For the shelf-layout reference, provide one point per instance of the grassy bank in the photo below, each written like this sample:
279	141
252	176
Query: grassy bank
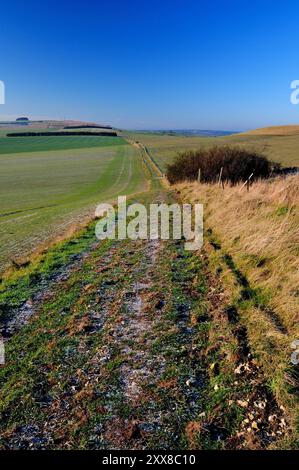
252	240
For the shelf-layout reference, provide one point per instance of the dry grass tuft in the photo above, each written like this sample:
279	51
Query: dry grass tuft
192	430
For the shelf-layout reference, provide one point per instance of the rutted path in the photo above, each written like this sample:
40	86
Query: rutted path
120	356
102	371
133	346
156	400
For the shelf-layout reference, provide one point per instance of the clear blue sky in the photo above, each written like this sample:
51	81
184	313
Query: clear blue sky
151	64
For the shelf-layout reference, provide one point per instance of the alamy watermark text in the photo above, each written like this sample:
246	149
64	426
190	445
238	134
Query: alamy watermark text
164	221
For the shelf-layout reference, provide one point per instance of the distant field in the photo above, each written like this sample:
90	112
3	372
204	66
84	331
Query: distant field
43	143
279	148
43	194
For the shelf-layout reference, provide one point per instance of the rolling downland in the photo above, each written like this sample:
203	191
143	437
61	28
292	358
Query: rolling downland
132	345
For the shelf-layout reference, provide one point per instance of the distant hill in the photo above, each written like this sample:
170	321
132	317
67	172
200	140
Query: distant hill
52	124
194	132
275	130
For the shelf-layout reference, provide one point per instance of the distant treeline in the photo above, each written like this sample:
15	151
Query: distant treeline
231	164
61	133
87	126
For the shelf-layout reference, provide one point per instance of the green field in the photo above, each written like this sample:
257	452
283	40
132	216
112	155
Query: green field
283	149
44	143
48	185
43	194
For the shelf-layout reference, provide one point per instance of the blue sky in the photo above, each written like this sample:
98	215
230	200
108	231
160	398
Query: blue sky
151	64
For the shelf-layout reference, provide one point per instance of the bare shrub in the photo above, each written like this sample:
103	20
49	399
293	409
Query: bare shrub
237	165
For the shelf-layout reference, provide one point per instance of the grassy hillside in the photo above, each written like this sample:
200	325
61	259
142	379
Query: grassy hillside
44	194
252	239
279	148
275	131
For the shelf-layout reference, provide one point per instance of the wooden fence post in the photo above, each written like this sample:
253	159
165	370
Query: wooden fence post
220	178
198	176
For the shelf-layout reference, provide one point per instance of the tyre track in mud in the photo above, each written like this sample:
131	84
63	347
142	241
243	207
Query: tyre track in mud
60	409
18	317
